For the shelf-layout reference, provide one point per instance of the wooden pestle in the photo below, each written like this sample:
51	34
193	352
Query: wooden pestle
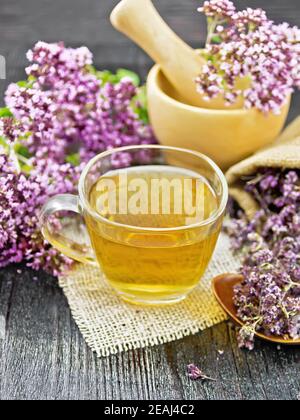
181	64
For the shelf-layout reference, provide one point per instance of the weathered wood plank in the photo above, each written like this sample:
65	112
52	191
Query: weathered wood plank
43	356
88	24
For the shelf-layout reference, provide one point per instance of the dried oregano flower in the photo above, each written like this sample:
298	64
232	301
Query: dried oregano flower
195	373
268	300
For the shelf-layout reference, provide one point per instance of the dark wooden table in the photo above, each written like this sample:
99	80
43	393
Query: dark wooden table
42	354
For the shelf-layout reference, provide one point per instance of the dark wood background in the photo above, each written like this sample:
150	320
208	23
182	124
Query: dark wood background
42	354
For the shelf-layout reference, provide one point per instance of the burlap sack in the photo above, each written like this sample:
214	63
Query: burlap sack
284	153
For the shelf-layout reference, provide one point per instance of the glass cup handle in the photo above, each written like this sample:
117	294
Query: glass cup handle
68	234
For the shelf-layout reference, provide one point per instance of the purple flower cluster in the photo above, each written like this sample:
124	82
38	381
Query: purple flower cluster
64	114
254	17
220	8
249	56
268	300
66	106
21	197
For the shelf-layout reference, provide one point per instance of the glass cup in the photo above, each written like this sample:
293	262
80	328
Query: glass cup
149	216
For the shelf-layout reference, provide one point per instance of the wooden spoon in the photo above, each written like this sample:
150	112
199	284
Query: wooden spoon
140	21
223	289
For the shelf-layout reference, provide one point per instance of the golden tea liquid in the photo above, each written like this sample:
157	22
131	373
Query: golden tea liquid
153	263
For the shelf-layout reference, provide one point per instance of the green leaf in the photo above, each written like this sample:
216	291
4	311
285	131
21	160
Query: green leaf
216	39
23	83
121	73
107	76
5	113
25	167
22	150
143	115
73	159
25	136
27	84
4	144
139	105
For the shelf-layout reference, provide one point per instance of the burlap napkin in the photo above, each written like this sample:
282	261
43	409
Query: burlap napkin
110	325
284	153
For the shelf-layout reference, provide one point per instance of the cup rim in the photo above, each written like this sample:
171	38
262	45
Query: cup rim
212	219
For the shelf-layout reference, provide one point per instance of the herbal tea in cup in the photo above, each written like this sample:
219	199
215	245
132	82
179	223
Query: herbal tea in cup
153	216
